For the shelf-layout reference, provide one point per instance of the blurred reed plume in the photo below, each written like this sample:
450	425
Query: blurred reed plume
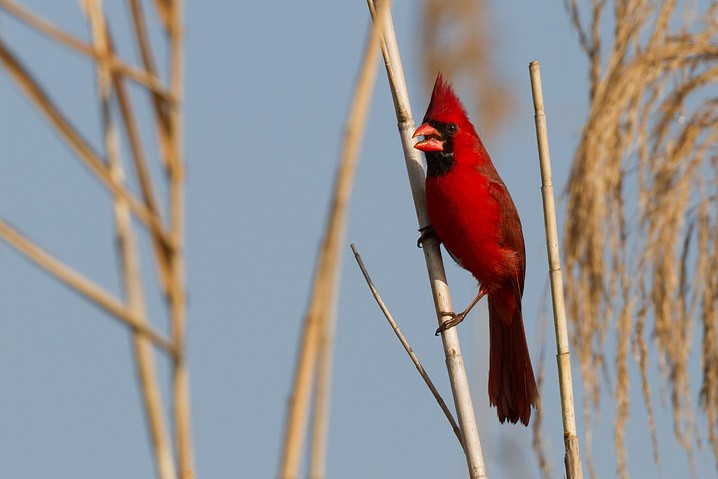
121	130
457	40
641	241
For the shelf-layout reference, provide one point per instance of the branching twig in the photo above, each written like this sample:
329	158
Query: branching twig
432	255
408	349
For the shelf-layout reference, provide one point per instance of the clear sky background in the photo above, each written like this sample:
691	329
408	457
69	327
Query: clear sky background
267	91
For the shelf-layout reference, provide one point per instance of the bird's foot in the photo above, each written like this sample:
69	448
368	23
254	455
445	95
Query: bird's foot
426	233
455	319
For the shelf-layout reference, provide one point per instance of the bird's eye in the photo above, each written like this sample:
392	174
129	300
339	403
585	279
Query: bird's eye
451	128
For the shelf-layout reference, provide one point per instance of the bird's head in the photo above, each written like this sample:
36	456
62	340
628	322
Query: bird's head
445	118
445	127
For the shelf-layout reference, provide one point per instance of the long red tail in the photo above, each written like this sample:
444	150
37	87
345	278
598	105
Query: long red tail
512	387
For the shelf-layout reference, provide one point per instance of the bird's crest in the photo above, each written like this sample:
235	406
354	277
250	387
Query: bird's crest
444	102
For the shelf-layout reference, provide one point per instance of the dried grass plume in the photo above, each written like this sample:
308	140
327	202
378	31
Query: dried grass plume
641	240
457	40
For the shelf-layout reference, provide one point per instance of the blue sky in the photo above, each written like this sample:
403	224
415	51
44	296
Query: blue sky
267	91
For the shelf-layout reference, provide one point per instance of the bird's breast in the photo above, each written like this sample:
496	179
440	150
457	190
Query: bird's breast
465	218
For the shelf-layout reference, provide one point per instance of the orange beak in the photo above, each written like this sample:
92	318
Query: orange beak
432	139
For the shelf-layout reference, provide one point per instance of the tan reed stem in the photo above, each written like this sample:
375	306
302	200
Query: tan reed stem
178	300
48	29
432	255
160	246
73	138
80	284
129	258
572	458
316	346
162	116
353	135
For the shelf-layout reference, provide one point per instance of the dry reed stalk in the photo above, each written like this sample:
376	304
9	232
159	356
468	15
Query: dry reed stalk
353	135
168	246
538	442
167	14
81	285
51	31
160	247
316	347
647	153
572	459
457	39
72	137
177	297
407	347
432	255
129	257
162	117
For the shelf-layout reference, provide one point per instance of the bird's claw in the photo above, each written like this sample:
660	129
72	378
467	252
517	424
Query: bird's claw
426	233
455	319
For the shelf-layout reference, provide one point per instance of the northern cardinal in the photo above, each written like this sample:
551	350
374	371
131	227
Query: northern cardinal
475	218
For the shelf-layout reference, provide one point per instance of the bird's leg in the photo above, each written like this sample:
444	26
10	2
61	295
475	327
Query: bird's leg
457	318
426	233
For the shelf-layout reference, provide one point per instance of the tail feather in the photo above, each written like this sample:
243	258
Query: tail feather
512	387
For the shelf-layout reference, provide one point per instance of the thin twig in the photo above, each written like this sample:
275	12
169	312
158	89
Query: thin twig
405	343
432	255
572	458
80	284
45	27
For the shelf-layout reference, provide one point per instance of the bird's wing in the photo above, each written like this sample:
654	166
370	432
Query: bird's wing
510	235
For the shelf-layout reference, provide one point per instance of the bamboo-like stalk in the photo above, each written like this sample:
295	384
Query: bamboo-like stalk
407	347
432	255
73	138
129	258
63	38
160	248
572	458
324	367
82	285
316	347
353	135
177	297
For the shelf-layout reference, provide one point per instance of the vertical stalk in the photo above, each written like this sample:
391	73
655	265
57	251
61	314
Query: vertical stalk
356	122
129	259
435	266
317	340
178	303
572	460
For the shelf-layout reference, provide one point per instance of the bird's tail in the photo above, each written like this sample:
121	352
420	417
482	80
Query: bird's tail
512	387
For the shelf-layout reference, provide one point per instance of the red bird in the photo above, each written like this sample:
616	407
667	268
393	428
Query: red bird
473	214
